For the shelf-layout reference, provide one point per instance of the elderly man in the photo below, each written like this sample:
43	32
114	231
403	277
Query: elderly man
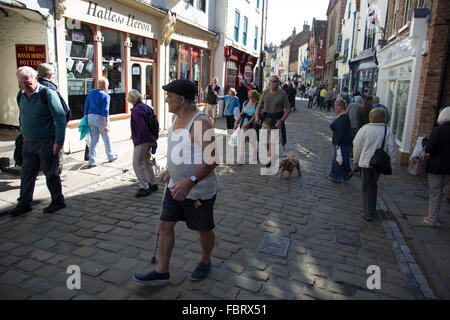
193	182
276	108
43	128
376	104
352	110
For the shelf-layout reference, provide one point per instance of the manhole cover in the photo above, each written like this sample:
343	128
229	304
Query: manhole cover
274	244
347	237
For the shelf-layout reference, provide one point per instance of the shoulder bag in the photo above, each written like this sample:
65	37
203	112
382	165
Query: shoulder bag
380	161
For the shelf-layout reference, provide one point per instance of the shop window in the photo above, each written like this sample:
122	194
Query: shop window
196	65
249	74
206	61
185	61
112	69
173	61
80	64
232	72
400	105
143	47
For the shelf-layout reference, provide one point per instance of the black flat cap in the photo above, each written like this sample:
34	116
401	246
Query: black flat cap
183	87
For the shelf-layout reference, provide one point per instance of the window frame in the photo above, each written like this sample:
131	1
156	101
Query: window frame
237	22
245	31
256	38
407	12
201	5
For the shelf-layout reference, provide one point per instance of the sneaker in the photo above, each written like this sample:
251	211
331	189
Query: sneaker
200	272
55	206
20	210
428	223
115	157
89	166
154	187
152	278
143	192
334	180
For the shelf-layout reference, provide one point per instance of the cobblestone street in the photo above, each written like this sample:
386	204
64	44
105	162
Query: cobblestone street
109	234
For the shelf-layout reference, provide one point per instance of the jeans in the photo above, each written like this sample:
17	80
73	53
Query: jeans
38	155
96	124
310	102
339	172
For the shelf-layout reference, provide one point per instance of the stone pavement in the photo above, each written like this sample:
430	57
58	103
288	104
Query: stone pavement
110	234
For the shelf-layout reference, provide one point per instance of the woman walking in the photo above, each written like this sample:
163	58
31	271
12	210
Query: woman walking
96	108
143	141
368	139
231	102
438	166
247	117
342	143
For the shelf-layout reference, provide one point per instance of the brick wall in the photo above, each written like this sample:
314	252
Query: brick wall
400	13
432	71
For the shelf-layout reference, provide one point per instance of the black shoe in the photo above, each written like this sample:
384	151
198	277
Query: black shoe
349	176
154	187
143	192
152	278
20	210
268	165
200	272
55	206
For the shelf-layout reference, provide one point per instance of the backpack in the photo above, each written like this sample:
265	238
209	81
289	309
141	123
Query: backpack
43	96
152	123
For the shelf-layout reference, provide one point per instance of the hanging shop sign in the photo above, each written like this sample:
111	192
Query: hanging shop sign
30	55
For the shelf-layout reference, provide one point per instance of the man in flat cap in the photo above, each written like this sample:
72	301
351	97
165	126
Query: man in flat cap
192	181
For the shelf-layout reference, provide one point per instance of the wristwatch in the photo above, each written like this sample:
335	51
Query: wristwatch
193	179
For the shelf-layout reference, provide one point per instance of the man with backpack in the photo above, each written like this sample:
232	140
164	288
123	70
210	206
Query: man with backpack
43	126
45	72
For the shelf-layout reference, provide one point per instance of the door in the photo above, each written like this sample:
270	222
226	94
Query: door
142	80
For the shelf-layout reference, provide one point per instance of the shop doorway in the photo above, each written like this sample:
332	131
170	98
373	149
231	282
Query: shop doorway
142	80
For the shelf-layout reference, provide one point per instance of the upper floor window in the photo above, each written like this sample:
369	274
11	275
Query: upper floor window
349	9
245	31
407	12
346	50
332	28
257	4
236	25
256	38
369	38
421	3
395	16
191	2
201	5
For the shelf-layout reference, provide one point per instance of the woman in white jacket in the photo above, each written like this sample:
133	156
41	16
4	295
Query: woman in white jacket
368	139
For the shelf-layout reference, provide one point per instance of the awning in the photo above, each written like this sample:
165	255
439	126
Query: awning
367	65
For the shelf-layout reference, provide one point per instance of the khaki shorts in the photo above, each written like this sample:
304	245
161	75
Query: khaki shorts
211	110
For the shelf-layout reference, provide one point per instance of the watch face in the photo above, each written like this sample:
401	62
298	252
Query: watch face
193	178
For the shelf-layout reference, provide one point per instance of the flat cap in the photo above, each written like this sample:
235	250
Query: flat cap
182	87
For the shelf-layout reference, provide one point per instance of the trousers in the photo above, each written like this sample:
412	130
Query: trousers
369	179
436	184
142	166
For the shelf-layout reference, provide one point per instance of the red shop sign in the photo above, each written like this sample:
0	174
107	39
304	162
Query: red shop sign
30	55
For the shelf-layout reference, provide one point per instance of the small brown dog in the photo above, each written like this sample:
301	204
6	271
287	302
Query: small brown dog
288	164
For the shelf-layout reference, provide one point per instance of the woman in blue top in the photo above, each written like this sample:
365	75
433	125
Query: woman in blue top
96	108
231	102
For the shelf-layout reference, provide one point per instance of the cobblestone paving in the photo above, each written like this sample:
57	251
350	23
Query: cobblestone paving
109	234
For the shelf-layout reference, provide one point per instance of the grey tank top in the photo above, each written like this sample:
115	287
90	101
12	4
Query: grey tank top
184	157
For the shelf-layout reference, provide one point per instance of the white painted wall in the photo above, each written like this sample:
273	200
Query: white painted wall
381	8
16	29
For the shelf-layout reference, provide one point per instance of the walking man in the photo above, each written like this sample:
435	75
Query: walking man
376	104
311	93
211	100
276	108
43	128
352	111
192	186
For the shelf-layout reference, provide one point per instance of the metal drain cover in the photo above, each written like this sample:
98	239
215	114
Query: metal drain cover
274	244
347	237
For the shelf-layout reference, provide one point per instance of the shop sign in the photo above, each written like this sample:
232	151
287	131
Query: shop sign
76	87
30	55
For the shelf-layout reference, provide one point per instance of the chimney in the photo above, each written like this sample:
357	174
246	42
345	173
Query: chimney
294	31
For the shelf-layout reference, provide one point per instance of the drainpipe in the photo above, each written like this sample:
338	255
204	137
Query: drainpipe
351	52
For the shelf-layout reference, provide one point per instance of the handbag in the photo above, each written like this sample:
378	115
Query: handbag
380	161
418	164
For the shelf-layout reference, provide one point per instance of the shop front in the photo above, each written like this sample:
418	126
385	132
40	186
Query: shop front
238	62
399	77
107	39
364	73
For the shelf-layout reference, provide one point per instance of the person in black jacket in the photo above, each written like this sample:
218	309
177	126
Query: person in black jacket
211	100
438	166
292	92
242	94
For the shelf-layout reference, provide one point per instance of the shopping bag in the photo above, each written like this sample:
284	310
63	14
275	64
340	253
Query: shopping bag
418	165
234	139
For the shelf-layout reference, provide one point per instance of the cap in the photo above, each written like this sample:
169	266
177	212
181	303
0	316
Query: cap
183	87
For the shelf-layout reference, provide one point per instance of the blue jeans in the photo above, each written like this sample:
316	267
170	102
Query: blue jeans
310	102
96	124
339	172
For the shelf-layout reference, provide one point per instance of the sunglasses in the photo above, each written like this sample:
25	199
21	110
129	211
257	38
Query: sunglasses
273	80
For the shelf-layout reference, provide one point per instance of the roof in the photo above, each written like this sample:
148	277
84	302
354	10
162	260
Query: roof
318	26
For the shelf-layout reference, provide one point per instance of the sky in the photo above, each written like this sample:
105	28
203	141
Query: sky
284	15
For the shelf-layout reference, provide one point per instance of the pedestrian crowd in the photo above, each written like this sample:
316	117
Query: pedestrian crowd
362	143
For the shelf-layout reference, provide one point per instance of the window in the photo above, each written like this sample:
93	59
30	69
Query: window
346	50
143	47
112	69
332	27
421	3
395	16
80	64
369	38
191	2
256	38
244	34
349	9
236	26
257	4
400	105
407	13
201	5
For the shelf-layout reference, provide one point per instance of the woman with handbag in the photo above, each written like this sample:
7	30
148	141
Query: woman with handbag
438	166
231	102
369	139
342	143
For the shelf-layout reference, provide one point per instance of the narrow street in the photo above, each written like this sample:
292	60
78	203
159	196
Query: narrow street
109	234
